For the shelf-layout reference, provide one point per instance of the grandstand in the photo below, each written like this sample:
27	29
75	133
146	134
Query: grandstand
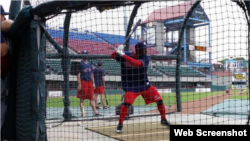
113	39
50	49
54	66
114	68
111	67
93	42
97	44
185	71
103	44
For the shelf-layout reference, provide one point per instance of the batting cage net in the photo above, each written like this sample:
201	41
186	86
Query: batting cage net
126	70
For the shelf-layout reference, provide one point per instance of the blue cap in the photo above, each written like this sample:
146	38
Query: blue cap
99	63
141	45
3	12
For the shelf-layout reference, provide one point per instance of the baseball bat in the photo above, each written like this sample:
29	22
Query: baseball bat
132	31
106	99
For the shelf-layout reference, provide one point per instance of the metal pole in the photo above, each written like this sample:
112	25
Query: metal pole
209	43
179	58
65	67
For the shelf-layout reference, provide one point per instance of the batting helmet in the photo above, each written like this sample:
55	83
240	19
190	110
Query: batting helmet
141	45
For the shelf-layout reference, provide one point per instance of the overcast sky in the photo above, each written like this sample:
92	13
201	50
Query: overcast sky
5	4
228	28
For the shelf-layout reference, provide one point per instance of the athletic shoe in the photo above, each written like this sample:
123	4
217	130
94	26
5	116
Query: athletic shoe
98	107
79	123
164	122
97	114
105	107
119	128
83	115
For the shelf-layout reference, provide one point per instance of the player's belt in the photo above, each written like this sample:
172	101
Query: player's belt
86	80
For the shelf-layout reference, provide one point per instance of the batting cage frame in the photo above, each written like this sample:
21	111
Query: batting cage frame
28	37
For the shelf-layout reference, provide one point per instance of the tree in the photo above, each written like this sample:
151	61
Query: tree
223	61
239	58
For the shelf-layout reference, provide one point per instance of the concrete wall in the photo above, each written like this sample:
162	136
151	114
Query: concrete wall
160	37
163	78
222	81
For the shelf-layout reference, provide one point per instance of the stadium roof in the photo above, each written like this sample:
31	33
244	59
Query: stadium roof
169	12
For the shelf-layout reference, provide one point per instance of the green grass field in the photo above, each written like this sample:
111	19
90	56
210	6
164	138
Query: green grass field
113	100
243	95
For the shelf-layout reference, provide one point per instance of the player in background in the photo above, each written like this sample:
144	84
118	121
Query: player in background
98	100
5	60
134	66
86	85
99	76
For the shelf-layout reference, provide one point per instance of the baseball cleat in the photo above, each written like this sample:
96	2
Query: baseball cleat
119	128
97	114
105	107
164	122
83	115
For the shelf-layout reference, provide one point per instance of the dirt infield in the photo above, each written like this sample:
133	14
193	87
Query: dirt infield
150	131
197	106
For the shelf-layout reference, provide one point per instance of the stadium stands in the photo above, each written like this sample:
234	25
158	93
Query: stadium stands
150	50
114	68
93	42
153	72
111	66
92	47
114	39
73	35
54	66
185	71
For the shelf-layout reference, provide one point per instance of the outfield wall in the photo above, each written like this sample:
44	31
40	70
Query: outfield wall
120	91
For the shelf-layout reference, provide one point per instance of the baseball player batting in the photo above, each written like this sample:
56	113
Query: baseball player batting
134	66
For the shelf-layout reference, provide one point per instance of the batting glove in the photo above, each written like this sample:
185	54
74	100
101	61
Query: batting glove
121	47
120	50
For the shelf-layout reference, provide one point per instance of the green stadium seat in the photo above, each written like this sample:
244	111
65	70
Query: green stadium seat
185	71
56	65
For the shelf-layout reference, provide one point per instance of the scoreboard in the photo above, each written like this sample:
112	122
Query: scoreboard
200	48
